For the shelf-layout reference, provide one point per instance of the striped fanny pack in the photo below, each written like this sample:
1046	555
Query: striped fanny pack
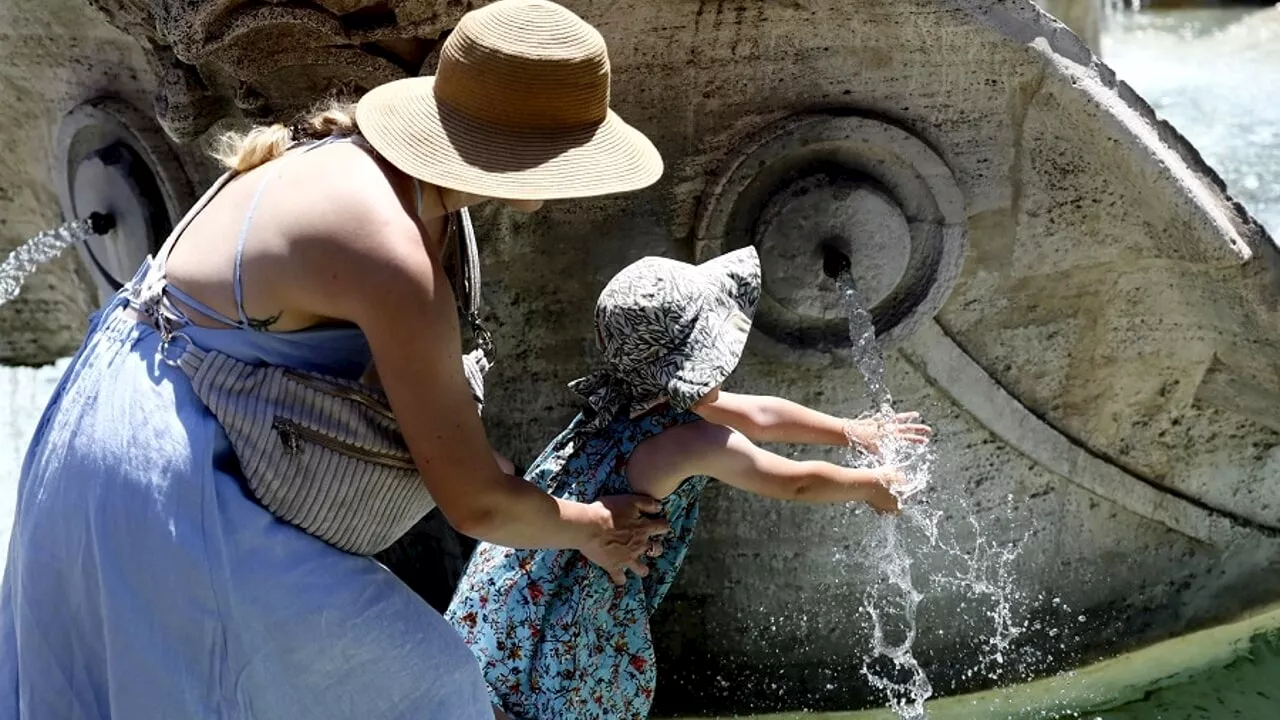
323	453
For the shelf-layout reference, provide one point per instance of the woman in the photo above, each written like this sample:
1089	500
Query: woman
142	580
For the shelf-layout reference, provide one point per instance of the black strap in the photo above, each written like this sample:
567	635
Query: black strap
469	298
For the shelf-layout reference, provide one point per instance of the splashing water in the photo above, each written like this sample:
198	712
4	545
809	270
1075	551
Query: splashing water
891	601
891	598
43	248
978	569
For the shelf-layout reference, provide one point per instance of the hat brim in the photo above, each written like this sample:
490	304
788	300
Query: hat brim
737	276
407	126
696	377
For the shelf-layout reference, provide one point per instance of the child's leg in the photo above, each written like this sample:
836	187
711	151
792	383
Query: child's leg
499	715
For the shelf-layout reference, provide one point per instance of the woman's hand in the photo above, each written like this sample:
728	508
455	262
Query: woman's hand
870	433
624	532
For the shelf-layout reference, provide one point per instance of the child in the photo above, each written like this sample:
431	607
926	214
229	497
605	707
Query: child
555	638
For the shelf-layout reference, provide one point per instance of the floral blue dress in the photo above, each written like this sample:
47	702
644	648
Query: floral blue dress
556	640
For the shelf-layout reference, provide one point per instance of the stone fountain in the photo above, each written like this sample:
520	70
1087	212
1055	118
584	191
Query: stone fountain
1066	288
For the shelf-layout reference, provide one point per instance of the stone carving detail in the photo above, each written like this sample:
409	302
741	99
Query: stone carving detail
866	188
1101	373
271	60
110	157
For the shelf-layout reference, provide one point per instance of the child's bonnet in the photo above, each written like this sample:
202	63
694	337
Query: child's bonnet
669	332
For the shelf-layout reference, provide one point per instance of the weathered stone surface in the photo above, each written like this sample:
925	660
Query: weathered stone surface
1084	17
53	57
1114	309
271	60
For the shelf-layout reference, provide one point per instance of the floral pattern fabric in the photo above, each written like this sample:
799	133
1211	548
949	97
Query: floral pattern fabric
555	638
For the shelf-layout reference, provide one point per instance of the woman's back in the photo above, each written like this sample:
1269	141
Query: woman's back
138	560
269	214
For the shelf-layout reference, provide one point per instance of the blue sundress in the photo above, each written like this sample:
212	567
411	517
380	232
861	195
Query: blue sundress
144	582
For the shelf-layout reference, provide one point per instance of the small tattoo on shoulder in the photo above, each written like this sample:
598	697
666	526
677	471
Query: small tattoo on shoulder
265	323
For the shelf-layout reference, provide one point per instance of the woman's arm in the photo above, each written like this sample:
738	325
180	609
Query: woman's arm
375	271
766	419
662	462
371	378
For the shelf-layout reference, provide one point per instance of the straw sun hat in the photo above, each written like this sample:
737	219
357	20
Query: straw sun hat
518	110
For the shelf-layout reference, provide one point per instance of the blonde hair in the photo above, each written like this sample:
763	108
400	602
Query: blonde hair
244	151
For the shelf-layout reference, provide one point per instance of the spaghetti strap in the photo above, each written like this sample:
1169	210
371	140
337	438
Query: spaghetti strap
154	280
236	275
237	281
177	293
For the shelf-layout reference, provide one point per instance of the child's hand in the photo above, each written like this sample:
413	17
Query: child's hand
880	496
870	432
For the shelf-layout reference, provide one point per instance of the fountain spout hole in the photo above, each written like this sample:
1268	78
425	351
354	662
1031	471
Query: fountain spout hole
834	261
101	223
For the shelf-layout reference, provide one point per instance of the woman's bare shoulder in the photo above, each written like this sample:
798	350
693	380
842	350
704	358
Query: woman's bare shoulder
354	237
351	200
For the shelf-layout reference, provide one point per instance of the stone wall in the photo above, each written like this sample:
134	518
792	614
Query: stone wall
55	56
1092	362
52	56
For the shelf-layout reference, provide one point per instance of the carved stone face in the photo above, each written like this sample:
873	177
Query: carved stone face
265	61
1110	333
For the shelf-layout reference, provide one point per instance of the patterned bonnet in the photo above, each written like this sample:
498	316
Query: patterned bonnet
669	331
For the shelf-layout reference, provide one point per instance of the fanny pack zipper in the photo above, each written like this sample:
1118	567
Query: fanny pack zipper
342	391
291	432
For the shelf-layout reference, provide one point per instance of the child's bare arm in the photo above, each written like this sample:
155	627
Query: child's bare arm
764	418
662	462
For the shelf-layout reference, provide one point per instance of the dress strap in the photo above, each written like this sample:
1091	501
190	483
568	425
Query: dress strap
175	292
237	274
149	287
162	255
